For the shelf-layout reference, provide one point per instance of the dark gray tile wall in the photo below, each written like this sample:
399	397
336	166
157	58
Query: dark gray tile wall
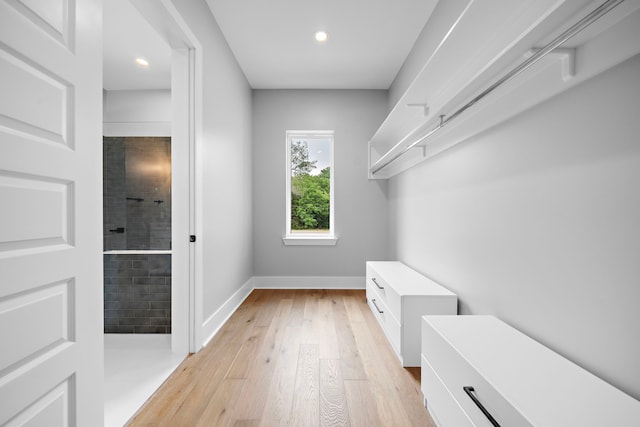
137	192
114	193
137	288
137	293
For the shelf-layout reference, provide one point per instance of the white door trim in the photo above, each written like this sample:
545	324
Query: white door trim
186	89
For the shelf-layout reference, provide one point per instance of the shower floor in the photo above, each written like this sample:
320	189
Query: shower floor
135	365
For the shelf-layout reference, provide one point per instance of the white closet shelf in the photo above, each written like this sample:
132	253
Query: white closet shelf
478	45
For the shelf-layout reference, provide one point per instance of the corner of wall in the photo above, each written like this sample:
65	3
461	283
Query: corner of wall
214	322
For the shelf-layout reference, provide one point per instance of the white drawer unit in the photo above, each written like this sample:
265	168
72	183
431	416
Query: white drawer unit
479	371
398	297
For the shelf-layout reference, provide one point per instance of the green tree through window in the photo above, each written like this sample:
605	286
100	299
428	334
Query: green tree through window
300	163
310	174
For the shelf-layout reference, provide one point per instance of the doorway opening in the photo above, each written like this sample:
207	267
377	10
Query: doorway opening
148	198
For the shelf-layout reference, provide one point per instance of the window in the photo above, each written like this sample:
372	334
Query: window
310	187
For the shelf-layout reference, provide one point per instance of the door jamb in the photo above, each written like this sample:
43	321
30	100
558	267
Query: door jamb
186	81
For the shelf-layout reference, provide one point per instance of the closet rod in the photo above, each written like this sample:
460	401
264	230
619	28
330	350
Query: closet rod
596	14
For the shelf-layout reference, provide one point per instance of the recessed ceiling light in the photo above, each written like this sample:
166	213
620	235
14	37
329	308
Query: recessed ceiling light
321	36
142	62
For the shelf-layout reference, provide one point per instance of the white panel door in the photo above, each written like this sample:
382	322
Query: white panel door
51	358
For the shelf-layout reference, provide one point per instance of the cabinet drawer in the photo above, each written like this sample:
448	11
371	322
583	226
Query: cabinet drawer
386	292
519	381
406	295
436	394
456	373
390	326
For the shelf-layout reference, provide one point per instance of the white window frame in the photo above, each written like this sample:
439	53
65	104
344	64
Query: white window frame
309	239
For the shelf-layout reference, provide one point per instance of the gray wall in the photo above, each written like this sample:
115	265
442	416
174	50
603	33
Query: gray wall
536	222
360	204
225	201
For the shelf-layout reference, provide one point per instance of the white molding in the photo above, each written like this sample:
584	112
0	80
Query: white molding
310	240
309	282
213	324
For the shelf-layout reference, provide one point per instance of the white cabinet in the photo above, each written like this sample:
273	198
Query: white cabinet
398	297
517	380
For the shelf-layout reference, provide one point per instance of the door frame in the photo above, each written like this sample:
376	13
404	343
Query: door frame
186	137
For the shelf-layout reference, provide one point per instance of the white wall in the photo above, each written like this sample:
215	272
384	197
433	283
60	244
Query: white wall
360	204
137	113
224	162
537	222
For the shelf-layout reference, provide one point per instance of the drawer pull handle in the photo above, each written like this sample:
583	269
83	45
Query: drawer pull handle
469	390
377	308
373	279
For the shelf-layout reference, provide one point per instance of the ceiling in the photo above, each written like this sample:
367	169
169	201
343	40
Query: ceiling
127	36
368	40
273	42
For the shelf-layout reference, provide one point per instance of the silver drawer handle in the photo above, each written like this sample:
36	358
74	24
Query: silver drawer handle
373	279
377	308
469	390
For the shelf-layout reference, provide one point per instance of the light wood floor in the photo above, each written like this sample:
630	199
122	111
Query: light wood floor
292	358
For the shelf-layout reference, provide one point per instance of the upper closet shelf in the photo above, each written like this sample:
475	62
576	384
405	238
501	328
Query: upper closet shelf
474	44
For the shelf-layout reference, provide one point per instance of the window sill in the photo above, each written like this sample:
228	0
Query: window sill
310	240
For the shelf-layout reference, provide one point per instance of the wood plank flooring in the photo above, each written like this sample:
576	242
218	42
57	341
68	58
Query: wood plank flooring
292	358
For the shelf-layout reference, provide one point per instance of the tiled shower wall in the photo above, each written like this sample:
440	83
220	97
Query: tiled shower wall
137	192
137	200
137	293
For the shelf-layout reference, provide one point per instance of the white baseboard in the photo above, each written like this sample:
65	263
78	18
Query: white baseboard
309	282
211	326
